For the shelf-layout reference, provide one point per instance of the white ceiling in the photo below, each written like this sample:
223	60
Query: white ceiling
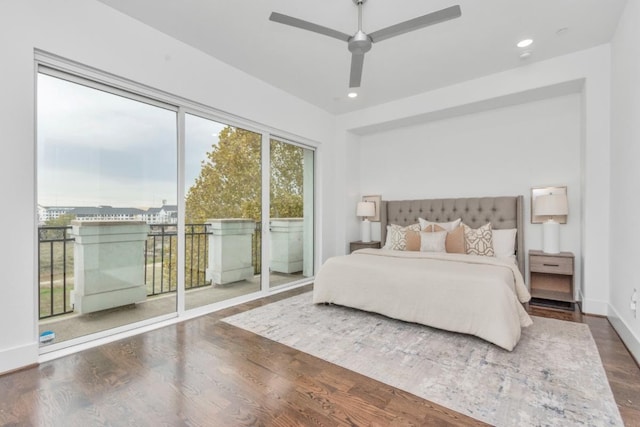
316	68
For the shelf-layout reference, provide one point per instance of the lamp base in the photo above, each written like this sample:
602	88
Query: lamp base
551	237
365	231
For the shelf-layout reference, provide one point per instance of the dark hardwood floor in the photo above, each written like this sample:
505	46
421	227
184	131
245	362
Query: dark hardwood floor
206	372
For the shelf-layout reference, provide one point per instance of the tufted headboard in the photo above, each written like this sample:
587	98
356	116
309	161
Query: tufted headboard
501	212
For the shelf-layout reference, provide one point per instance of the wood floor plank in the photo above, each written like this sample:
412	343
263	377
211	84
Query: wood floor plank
204	372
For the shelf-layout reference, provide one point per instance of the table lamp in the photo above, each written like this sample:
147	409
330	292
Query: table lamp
550	205
365	210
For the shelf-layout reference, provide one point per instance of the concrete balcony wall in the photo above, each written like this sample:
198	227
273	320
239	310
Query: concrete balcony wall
287	244
109	264
230	250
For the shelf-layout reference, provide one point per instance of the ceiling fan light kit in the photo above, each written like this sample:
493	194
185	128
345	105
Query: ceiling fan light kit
360	43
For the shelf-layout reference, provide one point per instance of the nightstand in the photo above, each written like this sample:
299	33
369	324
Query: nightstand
551	279
354	246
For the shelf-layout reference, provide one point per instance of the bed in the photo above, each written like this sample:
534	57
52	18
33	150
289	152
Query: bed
477	295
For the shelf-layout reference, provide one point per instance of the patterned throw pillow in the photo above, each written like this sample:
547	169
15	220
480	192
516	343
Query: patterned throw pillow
478	241
397	237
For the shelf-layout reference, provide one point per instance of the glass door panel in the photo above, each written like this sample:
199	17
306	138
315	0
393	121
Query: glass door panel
291	222
223	211
107	186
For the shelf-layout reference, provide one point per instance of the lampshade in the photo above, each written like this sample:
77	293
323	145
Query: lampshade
551	204
366	209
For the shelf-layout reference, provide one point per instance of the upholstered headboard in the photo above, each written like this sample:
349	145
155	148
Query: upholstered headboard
501	212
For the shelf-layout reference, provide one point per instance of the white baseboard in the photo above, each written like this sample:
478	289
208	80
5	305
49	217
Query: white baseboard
18	357
600	308
630	339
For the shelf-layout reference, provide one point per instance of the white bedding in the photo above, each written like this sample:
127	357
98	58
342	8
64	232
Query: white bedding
475	295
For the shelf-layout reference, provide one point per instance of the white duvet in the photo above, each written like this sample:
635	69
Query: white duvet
476	295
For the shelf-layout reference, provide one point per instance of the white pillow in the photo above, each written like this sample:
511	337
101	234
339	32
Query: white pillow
448	226
504	242
433	242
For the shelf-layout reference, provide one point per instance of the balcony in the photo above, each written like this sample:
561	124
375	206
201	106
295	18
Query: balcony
59	248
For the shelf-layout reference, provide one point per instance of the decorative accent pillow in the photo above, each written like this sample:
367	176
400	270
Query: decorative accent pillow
454	243
397	236
504	242
478	241
455	240
448	226
433	241
413	241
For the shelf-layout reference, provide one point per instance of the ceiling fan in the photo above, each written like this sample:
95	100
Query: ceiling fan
360	42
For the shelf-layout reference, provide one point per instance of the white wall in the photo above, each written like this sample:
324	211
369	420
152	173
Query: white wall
625	176
90	33
500	152
586	72
95	35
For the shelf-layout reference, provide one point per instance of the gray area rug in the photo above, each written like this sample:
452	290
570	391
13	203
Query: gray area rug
554	376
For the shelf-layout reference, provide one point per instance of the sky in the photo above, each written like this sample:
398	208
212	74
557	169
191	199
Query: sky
97	148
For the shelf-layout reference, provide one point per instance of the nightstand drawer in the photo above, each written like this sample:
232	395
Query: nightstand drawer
354	246
550	264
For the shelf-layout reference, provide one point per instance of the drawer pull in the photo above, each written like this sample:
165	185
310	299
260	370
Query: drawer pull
551	265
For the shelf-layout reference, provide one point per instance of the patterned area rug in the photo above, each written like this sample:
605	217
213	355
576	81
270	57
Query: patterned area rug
554	376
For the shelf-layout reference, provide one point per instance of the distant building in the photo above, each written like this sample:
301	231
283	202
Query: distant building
106	213
46	213
167	214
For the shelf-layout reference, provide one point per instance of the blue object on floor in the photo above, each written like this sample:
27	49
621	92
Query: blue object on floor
47	336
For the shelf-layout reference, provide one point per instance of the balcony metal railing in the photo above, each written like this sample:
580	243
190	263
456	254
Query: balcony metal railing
160	272
55	270
55	263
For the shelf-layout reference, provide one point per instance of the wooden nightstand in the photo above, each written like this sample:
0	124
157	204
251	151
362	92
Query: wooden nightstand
551	279
354	246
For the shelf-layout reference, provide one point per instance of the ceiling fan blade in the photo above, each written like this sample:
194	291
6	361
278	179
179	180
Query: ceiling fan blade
416	23
310	26
357	61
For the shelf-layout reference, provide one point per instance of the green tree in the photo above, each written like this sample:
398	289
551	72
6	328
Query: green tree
229	184
286	187
61	221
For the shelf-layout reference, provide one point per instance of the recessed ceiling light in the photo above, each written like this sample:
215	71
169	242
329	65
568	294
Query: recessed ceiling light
525	43
352	94
525	54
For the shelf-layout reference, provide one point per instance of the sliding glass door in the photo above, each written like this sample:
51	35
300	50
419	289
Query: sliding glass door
120	243
291	222
223	202
107	168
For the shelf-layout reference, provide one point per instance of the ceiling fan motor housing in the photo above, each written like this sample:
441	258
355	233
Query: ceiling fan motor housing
360	43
